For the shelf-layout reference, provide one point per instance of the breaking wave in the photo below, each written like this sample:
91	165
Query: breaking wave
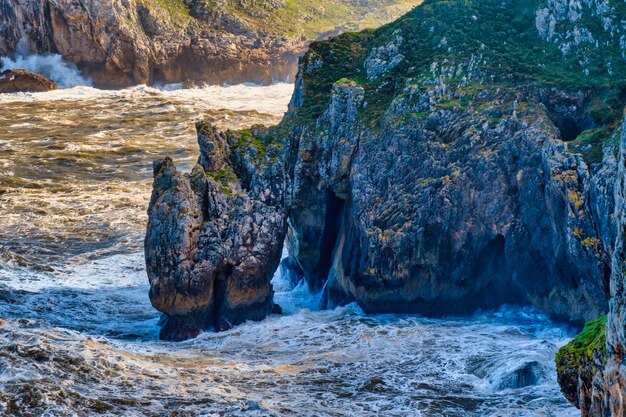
78	336
53	66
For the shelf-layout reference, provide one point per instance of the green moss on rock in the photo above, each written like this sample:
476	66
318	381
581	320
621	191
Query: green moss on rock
293	18
337	59
470	43
582	347
244	138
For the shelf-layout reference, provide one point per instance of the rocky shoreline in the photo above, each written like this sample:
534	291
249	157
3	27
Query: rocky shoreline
590	368
121	43
213	242
419	174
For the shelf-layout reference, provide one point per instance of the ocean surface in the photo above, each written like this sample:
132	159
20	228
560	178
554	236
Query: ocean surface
78	336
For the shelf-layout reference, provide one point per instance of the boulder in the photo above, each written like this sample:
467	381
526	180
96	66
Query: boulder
19	80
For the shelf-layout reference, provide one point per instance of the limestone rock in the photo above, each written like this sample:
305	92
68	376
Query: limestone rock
580	365
215	236
384	58
450	180
427	172
126	42
611	388
446	214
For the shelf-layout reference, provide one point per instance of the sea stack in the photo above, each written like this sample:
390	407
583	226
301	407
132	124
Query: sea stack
431	175
215	236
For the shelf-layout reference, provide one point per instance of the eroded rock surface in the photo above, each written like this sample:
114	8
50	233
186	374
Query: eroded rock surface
603	392
447	212
215	236
126	42
580	366
432	174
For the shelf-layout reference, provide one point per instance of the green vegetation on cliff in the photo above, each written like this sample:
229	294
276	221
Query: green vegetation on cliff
311	18
582	347
176	10
464	47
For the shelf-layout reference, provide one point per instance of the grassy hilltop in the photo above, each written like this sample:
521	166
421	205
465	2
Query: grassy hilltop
310	18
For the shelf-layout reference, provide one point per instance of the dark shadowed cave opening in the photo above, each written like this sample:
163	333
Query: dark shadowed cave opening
569	128
492	262
569	114
332	225
157	75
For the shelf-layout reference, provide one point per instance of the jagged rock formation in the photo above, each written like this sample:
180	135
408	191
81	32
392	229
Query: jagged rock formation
18	80
123	42
611	395
215	236
585	28
448	210
437	166
439	176
590	369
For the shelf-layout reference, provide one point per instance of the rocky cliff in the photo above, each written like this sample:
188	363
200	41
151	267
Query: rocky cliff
459	158
590	369
123	42
611	392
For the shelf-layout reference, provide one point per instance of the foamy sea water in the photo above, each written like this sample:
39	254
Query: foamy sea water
78	336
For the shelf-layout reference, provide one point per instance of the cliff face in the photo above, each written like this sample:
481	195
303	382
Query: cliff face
445	173
123	42
590	368
453	160
580	370
610	387
446	210
612	393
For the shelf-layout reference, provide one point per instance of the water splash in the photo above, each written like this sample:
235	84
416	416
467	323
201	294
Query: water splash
53	66
78	333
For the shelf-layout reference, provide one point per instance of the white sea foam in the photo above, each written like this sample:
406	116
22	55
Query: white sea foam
275	98
53	66
79	333
307	362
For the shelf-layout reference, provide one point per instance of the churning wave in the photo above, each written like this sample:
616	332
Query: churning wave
85	343
53	66
78	336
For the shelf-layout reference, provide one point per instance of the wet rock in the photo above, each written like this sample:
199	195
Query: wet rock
19	80
215	236
437	190
431	189
526	375
120	43
447	213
